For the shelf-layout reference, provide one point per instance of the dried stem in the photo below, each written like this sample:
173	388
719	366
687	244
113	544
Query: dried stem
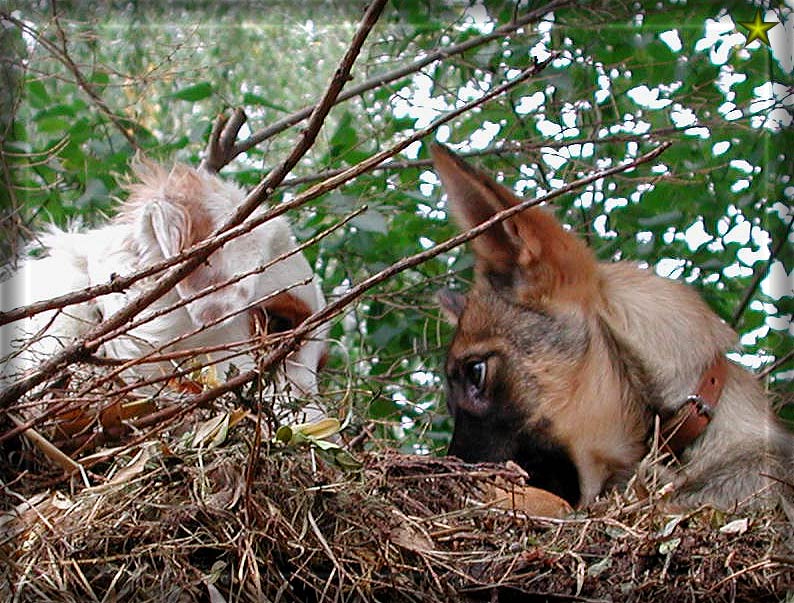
224	131
782	361
80	350
352	294
508	147
220	149
234	279
264	189
62	54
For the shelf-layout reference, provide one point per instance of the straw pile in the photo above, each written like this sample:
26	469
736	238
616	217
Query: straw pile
223	519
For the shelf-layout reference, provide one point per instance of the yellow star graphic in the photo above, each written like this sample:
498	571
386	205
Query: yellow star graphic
757	28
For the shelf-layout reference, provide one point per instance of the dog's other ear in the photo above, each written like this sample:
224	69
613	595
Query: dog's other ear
452	304
170	215
531	252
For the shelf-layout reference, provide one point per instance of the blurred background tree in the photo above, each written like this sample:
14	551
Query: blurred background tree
84	87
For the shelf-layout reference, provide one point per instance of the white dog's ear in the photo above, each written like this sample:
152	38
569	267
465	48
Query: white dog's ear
167	225
173	215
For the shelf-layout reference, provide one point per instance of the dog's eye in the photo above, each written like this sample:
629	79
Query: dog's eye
475	372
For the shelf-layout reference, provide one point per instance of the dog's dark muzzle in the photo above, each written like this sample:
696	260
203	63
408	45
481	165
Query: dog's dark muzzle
548	464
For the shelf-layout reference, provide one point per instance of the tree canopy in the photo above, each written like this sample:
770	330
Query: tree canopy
587	86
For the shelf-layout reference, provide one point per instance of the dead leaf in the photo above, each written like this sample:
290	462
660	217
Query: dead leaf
529	500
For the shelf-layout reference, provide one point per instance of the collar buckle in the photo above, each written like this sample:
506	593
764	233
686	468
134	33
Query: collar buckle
692	418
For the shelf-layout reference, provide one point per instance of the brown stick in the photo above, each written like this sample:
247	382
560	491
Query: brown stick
79	350
220	149
234	279
284	349
122	283
336	307
264	189
509	147
340	303
62	55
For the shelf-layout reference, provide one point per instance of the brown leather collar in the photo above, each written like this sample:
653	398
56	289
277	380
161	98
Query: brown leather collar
694	415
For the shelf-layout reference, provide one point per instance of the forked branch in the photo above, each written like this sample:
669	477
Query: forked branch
221	148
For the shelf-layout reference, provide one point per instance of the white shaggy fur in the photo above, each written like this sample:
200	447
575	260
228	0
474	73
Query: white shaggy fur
166	213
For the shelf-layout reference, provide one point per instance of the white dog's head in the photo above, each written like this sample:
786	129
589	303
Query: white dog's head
166	213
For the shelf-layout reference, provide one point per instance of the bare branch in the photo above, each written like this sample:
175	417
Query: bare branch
292	339
782	361
339	304
80	350
508	147
234	279
316	119
220	149
224	132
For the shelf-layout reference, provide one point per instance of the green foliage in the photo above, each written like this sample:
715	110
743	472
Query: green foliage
711	210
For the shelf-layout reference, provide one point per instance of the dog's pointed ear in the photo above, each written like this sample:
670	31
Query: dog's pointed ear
531	252
452	304
473	198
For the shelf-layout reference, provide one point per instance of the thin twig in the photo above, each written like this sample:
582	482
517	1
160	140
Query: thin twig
222	130
782	361
79	350
507	147
62	55
340	303
759	272
220	149
293	338
234	279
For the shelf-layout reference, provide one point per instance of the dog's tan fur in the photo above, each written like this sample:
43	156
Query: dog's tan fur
581	356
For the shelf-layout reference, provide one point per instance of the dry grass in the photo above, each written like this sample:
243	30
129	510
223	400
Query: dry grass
237	522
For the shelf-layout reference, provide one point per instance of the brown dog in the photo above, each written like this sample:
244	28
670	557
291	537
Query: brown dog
562	364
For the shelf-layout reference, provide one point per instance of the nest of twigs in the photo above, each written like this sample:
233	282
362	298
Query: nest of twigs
222	520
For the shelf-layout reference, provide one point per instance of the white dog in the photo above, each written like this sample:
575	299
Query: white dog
166	213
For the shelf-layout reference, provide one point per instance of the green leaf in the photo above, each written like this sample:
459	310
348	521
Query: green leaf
37	94
663	219
100	78
194	93
371	221
52	124
249	98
